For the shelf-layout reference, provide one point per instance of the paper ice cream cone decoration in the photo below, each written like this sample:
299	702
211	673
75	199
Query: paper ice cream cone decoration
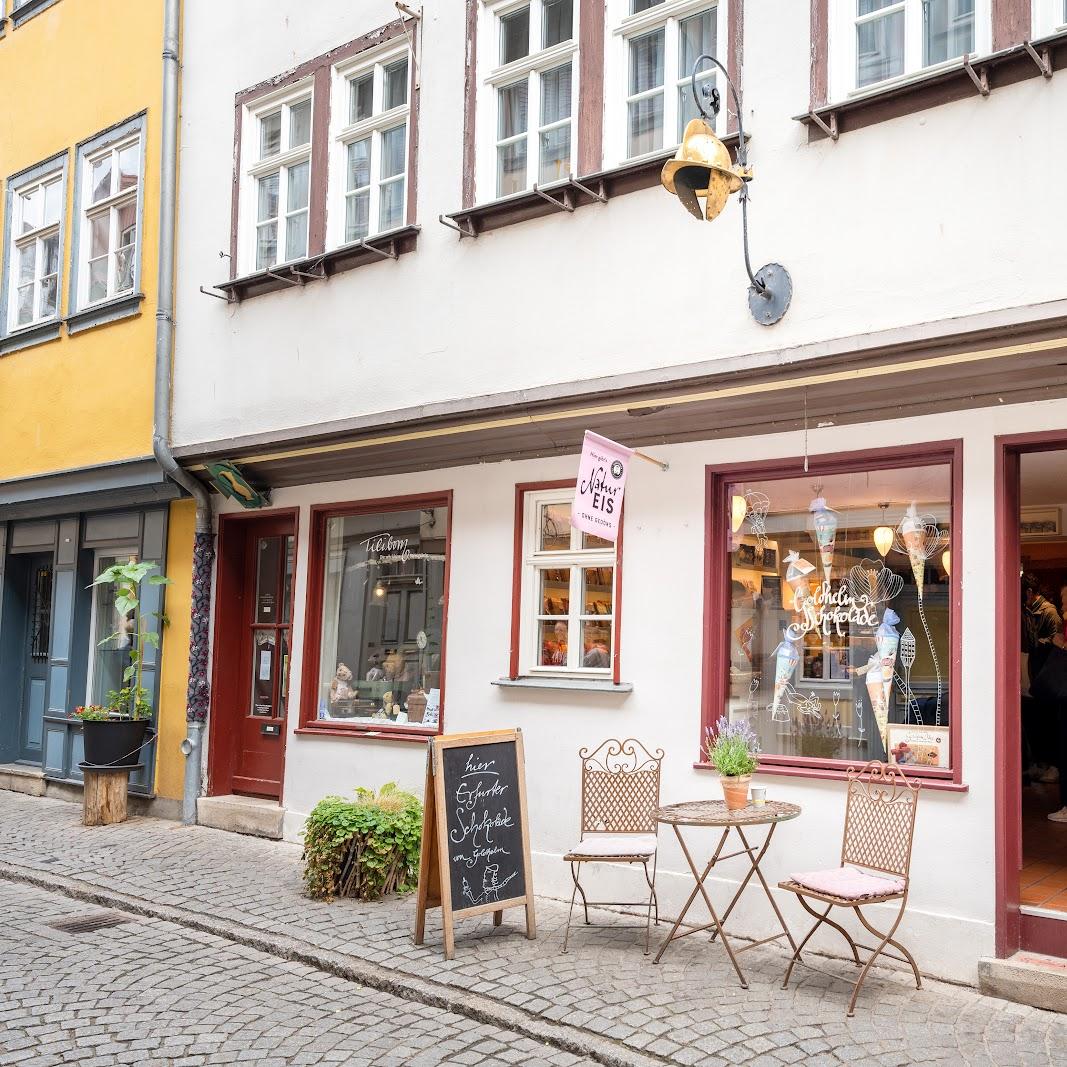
825	520
796	577
887	640
913	533
876	691
786	658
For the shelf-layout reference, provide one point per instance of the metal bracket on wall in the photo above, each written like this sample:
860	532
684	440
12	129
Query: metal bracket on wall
228	297
831	130
415	15
315	275
1043	61
602	196
463	231
980	78
283	278
566	204
391	254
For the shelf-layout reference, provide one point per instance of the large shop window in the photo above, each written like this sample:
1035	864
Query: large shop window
837	611
567	605
377	594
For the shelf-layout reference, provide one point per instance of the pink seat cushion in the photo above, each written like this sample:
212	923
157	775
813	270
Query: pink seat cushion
608	845
849	883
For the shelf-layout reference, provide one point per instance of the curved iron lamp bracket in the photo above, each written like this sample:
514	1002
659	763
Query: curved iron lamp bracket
771	290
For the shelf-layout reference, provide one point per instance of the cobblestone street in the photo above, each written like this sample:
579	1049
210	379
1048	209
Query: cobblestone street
225	959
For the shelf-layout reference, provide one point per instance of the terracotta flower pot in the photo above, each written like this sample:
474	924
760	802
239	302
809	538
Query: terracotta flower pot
735	790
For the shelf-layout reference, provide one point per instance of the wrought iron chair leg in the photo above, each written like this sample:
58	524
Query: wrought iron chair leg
655	899
651	899
575	870
896	944
886	938
800	948
570	911
837	926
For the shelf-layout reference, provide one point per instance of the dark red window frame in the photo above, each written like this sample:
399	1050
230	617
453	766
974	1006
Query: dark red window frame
521	489
320	515
715	676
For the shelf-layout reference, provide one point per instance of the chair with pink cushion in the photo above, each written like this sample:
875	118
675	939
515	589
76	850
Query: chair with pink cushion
620	797
875	866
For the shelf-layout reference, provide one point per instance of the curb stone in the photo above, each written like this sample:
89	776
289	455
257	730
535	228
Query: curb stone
404	986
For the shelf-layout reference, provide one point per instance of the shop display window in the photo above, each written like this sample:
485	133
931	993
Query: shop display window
378	600
838	611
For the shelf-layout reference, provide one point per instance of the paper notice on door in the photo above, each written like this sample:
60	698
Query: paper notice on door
264	665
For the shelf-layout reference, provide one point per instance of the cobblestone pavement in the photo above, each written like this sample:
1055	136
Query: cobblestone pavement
603	997
147	993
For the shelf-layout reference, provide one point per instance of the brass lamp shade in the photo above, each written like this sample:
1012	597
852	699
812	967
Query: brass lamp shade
702	167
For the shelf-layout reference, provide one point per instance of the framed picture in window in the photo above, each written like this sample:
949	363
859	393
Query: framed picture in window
771	591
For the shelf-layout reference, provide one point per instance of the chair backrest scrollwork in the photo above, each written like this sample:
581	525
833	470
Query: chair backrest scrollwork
880	819
620	787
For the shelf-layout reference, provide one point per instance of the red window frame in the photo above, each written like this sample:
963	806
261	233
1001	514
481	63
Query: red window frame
320	515
717	574
521	489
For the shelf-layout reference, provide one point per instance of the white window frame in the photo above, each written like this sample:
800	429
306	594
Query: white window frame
533	562
1048	17
38	180
493	76
841	45
624	27
253	168
343	133
121	554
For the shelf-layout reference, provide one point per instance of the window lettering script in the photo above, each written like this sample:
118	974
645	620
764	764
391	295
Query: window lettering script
833	611
601	491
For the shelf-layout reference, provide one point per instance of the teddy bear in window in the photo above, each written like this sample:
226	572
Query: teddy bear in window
342	695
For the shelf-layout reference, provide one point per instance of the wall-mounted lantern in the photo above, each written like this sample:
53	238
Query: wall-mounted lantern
702	168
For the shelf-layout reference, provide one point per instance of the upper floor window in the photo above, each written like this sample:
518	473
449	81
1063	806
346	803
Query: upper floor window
34	254
879	40
1048	17
533	93
368	175
109	197
280	180
657	43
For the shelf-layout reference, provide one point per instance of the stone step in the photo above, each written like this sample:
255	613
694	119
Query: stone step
1026	978
22	778
242	815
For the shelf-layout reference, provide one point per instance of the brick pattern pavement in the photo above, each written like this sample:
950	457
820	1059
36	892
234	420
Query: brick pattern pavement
152	994
686	1010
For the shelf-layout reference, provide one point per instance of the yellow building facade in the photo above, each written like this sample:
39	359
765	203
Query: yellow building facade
79	488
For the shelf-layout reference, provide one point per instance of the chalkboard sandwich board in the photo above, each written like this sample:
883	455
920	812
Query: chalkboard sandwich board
475	838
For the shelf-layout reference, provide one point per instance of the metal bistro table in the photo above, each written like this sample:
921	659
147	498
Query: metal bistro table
715	813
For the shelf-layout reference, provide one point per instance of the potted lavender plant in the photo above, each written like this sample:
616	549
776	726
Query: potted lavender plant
733	748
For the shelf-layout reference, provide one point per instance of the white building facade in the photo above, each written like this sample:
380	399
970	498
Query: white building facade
440	253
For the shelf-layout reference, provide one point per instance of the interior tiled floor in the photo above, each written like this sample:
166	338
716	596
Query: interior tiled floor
1043	879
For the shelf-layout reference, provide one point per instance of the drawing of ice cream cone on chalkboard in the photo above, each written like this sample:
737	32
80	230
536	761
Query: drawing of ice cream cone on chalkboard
825	520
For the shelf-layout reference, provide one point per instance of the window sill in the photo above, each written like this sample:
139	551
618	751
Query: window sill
581	685
124	307
28	10
563	196
30	336
833	774
389	245
930	89
368	733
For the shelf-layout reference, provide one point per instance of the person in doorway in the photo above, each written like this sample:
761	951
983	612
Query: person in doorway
1042	631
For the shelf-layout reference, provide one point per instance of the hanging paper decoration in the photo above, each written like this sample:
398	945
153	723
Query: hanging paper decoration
887	640
825	519
796	576
758	506
876	691
874	580
919	538
786	658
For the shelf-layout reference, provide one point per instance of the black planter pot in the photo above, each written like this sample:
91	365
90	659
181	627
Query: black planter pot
114	743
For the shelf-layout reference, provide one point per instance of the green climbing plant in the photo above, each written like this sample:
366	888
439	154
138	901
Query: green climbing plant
363	848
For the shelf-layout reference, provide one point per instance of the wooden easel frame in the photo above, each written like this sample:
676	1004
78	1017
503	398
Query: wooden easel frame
435	882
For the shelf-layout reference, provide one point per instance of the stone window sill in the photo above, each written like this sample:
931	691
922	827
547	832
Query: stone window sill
563	196
581	685
32	335
974	76
28	10
367	733
389	245
840	774
124	307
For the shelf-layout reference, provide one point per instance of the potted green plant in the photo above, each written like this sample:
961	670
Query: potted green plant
733	748
115	732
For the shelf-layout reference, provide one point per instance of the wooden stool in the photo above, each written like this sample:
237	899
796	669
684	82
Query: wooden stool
104	795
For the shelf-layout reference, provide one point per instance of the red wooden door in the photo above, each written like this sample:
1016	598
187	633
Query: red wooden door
264	658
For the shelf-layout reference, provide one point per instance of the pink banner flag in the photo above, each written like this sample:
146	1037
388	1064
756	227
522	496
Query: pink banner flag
597	504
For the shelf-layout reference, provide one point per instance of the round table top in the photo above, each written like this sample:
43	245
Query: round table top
716	813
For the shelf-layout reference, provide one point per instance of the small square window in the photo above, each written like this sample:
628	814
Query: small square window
395	81
558	22
300	124
362	98
515	35
270	135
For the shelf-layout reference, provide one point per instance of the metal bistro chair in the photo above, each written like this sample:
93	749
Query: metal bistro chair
620	796
879	830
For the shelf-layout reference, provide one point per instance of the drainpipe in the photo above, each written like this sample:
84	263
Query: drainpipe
203	546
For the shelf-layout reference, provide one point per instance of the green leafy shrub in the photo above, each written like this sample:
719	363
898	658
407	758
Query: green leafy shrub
732	747
363	848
